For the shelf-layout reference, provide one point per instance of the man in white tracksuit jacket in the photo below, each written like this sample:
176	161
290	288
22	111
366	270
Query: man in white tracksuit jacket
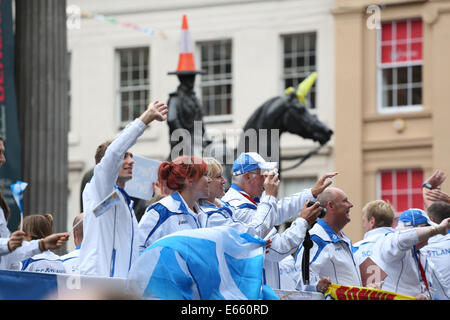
110	243
387	257
331	254
248	183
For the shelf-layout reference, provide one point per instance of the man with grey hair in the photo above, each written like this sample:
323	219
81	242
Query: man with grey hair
243	195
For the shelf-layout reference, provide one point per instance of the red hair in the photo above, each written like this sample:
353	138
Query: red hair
176	172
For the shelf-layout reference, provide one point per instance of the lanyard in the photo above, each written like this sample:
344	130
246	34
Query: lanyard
239	189
421	269
250	199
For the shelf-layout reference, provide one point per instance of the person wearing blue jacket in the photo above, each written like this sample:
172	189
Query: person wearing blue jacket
245	195
110	243
188	177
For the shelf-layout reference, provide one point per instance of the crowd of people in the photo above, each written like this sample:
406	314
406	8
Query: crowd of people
411	258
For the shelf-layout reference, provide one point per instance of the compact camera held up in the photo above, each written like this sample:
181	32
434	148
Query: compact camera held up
323	211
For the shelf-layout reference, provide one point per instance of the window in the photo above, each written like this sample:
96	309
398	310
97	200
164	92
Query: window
299	61
133	83
402	188
400	66
216	84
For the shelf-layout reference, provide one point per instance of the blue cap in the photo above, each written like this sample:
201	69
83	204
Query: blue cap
414	217
251	161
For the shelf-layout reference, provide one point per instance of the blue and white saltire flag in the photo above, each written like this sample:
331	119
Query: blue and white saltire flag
208	264
17	191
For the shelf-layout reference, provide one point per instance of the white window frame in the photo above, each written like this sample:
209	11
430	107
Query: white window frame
304	74
216	118
394	182
119	89
380	66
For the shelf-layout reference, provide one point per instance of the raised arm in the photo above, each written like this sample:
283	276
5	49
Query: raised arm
289	207
106	172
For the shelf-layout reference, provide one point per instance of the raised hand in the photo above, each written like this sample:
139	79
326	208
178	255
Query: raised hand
435	195
15	240
155	111
322	183
53	241
310	214
271	184
436	179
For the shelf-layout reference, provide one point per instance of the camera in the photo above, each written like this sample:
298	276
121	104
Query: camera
323	211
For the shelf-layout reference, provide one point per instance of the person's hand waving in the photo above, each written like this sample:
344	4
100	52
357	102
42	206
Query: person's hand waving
155	111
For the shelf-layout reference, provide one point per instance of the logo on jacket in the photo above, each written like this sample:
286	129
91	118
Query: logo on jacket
182	222
371	273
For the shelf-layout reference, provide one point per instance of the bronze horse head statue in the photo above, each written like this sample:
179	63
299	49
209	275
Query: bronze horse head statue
263	129
276	116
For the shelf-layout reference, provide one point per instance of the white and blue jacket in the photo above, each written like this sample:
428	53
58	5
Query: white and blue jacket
46	262
387	256
12	260
330	256
438	256
110	241
283	244
166	216
260	225
71	260
215	216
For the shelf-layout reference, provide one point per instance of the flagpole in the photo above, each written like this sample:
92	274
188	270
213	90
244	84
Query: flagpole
76	225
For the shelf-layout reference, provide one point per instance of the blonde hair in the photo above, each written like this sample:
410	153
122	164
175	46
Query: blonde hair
381	211
38	226
214	166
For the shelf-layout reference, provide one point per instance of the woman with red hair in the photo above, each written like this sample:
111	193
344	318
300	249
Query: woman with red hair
188	177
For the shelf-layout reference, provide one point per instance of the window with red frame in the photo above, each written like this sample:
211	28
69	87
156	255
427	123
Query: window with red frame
400	65
402	188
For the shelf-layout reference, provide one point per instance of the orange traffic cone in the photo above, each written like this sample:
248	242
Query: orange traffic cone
186	63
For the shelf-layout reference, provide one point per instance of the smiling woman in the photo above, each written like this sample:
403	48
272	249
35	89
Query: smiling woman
188	177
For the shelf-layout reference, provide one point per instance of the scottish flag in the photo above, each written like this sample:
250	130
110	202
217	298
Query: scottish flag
207	264
17	191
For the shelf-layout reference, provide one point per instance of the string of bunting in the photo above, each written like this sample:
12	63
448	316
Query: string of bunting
150	31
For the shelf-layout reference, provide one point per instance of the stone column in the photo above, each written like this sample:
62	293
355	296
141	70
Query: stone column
42	97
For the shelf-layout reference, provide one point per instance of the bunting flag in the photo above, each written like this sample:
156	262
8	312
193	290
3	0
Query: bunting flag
340	292
209	264
149	31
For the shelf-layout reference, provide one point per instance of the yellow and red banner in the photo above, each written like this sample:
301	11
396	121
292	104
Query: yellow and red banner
340	292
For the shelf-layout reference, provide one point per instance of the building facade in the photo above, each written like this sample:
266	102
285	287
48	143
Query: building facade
391	100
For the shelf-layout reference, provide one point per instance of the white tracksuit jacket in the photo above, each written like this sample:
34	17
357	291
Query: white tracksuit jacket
260	225
46	262
330	256
392	260
12	260
438	256
283	244
167	216
110	242
71	261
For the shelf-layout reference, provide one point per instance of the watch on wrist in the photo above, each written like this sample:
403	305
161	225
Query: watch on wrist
427	185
